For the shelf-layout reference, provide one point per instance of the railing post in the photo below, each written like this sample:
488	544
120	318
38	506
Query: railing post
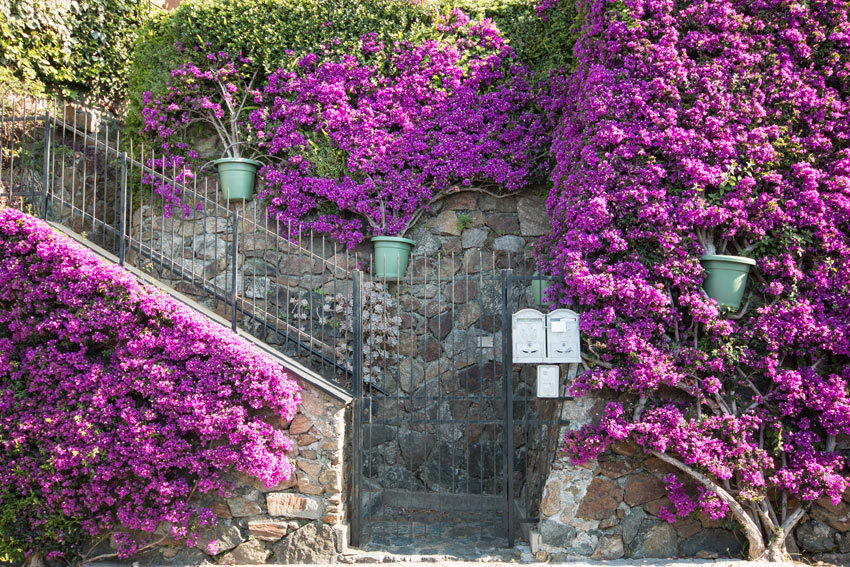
508	399
357	387
234	251
123	215
45	174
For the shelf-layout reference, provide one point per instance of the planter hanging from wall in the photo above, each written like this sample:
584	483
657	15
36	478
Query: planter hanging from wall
726	278
392	253
236	177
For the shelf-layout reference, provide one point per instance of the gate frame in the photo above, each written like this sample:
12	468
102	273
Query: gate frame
507	280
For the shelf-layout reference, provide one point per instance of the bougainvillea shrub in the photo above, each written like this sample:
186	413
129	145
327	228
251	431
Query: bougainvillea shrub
365	147
712	126
118	406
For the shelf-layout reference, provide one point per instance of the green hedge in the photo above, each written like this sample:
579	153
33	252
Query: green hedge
265	30
81	46
543	45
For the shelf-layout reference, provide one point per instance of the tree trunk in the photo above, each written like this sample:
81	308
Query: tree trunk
776	551
35	560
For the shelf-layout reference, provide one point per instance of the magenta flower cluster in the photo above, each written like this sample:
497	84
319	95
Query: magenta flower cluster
714	126
361	145
407	124
119	407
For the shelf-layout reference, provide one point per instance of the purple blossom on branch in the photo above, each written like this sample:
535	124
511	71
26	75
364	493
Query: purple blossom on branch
715	126
364	148
119	406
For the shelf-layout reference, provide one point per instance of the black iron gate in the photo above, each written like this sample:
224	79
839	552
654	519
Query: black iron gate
450	442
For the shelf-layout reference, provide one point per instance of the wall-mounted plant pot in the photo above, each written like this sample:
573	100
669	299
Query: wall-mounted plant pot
392	253
726	278
538	290
236	177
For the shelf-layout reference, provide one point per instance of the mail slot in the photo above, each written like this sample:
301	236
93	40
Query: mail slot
529	336
563	336
548	381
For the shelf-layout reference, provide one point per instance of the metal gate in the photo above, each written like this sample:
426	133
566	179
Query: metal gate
450	442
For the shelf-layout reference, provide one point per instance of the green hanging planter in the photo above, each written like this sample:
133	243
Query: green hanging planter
392	253
538	290
726	278
236	177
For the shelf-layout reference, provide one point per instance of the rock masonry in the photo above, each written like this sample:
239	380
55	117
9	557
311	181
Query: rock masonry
604	510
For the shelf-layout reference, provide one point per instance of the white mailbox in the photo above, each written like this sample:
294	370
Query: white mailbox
529	336
548	381
562	336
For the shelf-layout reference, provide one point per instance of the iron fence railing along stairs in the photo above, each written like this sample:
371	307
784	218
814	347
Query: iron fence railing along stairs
66	163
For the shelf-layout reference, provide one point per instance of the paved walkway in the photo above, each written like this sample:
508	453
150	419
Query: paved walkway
430	561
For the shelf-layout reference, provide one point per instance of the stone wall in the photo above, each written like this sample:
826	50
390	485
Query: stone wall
605	510
824	532
302	520
608	509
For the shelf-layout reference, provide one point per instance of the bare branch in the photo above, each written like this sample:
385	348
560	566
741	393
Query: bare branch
639	408
113	555
596	361
744	310
751	530
761	508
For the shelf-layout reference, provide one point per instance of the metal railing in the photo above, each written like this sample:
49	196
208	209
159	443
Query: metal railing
67	164
427	355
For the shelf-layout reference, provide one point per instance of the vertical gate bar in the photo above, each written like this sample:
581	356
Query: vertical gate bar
308	293
2	144
411	395
142	174
454	380
234	252
399	282
46	172
123	213
22	164
276	303
116	199
61	161
439	386
467	404
83	205
192	279
497	398
507	389
105	221
357	386
94	181
424	387
74	165
13	146
54	124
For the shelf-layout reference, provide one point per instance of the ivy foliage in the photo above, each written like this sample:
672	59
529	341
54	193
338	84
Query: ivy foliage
271	32
80	47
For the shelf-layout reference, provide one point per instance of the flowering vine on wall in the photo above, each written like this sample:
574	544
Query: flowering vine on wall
712	126
361	146
119	406
364	148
